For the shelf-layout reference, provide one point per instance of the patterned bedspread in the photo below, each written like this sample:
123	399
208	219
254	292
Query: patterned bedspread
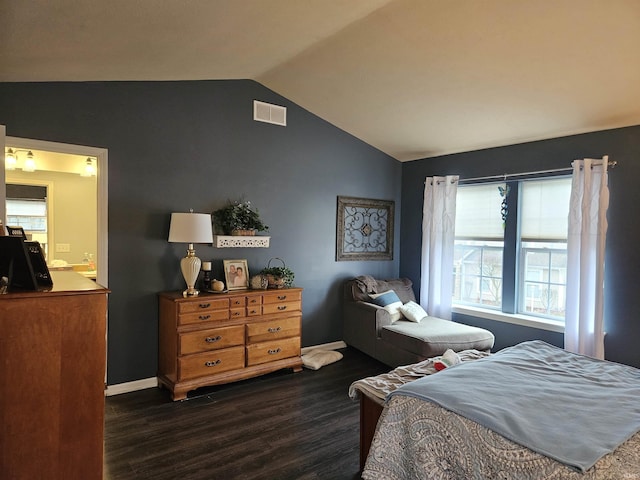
422	441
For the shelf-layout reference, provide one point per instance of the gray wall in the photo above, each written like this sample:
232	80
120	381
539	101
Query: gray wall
622	280
180	145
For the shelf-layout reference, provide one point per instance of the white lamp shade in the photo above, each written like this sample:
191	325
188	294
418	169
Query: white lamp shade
190	228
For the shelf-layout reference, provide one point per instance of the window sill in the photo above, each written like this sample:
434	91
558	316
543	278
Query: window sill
516	319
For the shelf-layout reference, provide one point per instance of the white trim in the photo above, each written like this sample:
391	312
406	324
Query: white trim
516	319
326	346
3	187
134	386
102	172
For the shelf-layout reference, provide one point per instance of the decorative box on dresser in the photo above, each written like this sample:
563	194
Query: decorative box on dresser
213	338
52	380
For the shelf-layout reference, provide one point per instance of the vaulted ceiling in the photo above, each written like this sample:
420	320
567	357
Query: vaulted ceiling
414	78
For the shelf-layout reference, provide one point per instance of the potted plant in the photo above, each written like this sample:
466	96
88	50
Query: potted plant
278	277
238	218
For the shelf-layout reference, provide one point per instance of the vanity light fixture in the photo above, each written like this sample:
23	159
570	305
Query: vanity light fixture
89	169
190	228
11	160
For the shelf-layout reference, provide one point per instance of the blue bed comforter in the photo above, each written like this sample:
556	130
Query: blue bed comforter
569	407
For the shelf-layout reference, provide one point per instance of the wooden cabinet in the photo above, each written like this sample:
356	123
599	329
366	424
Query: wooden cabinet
219	338
52	380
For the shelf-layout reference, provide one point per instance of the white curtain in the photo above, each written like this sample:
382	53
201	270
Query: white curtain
584	317
438	224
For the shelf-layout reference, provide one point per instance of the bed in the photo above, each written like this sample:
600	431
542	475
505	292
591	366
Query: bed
371	392
418	438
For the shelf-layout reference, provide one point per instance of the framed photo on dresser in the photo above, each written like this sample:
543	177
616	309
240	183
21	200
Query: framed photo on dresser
236	274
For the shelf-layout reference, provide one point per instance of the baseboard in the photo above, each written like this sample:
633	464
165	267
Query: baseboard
134	386
145	383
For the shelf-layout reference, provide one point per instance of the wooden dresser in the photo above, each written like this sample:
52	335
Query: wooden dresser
52	380
219	338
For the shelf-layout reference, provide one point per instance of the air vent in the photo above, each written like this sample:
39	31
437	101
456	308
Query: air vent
269	113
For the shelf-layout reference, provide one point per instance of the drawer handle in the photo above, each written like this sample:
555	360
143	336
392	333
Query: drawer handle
237	302
282	297
213	339
204	317
274	351
212	364
282	307
253	311
274	329
204	305
253	300
235	314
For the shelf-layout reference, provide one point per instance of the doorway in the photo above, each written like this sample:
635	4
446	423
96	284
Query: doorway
74	236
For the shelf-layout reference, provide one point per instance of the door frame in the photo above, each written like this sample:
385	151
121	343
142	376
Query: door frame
3	188
102	156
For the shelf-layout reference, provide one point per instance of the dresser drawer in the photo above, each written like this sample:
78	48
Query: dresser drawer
274	329
203	304
210	363
280	307
265	352
203	316
239	301
238	312
254	300
283	295
210	339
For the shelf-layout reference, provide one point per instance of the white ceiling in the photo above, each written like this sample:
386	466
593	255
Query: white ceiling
414	78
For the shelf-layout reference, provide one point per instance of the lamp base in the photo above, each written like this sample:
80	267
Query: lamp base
190	266
191	293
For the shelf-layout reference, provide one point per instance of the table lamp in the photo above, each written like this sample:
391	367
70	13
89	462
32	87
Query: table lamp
190	228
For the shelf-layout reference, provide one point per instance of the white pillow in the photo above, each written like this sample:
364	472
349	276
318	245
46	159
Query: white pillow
390	301
413	312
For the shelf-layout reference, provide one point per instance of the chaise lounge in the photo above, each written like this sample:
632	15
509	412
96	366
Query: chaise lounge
382	333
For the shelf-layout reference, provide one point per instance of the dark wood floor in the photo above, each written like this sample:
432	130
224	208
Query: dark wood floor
280	426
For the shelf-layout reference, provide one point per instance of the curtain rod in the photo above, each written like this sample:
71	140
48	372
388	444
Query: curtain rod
504	176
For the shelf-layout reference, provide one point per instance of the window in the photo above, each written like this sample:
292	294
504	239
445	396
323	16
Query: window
28	214
479	245
27	208
544	217
519	265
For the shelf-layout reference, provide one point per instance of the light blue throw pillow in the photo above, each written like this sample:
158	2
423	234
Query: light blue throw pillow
390	301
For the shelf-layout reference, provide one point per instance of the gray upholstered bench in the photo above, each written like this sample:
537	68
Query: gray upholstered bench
371	329
434	336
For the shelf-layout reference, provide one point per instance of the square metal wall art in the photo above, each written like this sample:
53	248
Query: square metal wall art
364	229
